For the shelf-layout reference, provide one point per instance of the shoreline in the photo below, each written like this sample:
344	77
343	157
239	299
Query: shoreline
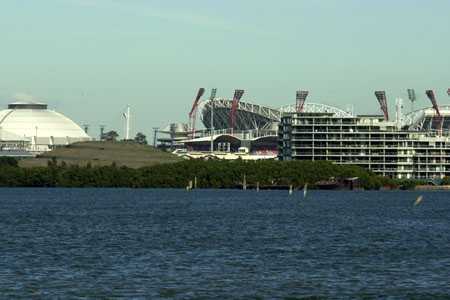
192	174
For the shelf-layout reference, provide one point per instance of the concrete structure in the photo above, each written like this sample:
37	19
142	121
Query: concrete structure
31	127
256	127
410	147
253	116
174	135
258	143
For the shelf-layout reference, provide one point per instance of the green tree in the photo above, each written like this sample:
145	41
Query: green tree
110	136
141	138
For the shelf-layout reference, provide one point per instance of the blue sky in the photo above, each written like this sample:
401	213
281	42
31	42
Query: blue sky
89	58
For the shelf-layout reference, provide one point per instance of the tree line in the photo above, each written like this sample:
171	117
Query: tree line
113	136
207	174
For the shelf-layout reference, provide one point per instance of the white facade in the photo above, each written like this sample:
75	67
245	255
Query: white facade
366	141
38	127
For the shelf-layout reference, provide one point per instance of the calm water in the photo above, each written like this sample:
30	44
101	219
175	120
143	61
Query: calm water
151	244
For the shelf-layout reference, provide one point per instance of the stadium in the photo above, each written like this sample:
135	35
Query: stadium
415	144
250	117
247	121
28	128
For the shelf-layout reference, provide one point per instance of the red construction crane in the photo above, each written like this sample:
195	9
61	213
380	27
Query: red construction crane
438	120
193	112
381	97
234	106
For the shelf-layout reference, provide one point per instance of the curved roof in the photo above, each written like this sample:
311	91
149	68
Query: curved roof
421	119
29	120
253	116
316	108
27	105
248	116
216	137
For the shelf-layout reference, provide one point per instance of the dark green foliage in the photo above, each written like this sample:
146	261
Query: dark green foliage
110	136
8	161
141	138
446	181
209	174
409	184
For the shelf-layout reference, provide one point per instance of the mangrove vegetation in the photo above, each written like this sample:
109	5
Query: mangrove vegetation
207	174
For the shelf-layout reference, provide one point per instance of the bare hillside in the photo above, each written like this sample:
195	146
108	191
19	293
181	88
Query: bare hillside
104	153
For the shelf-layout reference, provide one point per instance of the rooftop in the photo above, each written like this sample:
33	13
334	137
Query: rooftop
27	105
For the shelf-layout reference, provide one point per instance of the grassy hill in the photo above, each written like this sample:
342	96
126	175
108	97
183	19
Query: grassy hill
103	153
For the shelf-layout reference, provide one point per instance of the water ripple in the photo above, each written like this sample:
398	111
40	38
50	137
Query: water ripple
170	244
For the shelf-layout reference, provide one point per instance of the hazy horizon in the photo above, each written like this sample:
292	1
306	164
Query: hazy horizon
90	58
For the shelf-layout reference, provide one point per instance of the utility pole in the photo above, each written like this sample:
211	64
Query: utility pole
155	133
36	139
102	132
86	128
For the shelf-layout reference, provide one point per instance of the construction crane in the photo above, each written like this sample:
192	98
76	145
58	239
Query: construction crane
438	120
234	106
381	97
300	100
193	112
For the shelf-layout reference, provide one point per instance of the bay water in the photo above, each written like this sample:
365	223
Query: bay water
223	244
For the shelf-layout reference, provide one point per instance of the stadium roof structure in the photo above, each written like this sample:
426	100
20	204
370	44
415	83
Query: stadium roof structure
253	116
422	119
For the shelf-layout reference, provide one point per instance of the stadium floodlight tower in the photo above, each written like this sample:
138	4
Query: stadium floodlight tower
234	106
211	102
381	97
412	98
300	100
193	112
438	120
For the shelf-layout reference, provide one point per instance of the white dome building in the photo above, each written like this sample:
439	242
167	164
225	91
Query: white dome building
31	126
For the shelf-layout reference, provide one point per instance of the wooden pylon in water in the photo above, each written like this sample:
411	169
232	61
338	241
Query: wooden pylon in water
189	186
